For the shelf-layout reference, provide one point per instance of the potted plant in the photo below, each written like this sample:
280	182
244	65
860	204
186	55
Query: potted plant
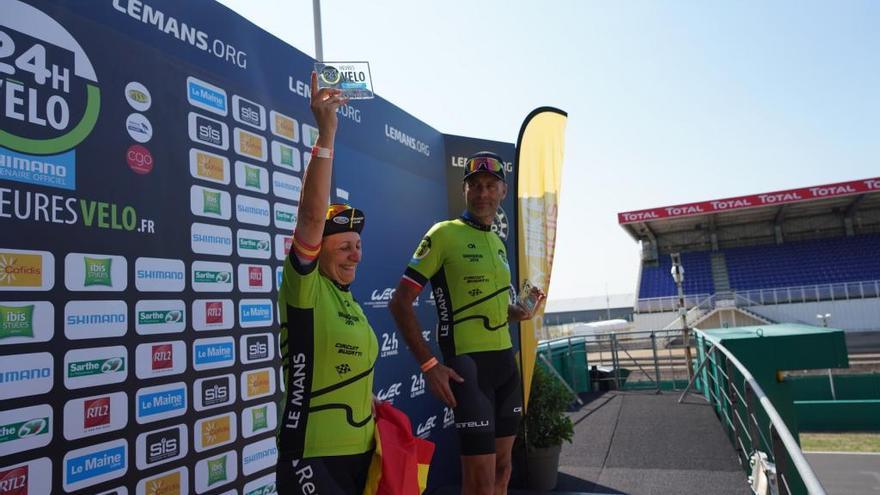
542	431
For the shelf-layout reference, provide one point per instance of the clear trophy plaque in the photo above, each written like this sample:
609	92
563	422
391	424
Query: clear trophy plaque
353	78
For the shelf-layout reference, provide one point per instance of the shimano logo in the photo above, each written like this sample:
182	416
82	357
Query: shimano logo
159	275
24	375
212	239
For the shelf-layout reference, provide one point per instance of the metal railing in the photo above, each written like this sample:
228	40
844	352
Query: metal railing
664	304
739	408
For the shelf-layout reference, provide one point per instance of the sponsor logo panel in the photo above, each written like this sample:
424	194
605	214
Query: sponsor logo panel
161	446
211	239
211	203
264	485
119	490
310	135
216	471
215	391
250	145
95	366
259	456
253	244
95	272
22	270
257	383
254	278
279	277
248	112
138	96
206	96
283	245
252	210
160	402
25	429
139	127
95	319
207	131
256	348
284	126
255	313
159	275
208	166
251	177
286	156
174	482
49	170
215	431
157	359
284	216
259	419
211	276
95	464
286	186
27	478
139	159
23	375
218	352
152	317
25	322
213	314
95	415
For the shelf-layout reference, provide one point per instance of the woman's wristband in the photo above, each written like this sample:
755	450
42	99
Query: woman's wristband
322	152
427	365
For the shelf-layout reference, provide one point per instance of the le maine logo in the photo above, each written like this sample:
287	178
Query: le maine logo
255	313
95	464
22	270
161	402
218	352
41	125
206	96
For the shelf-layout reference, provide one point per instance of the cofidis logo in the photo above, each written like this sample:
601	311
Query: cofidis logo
26	270
174	482
254	313
213	353
22	375
257	383
95	464
215	431
51	96
161	402
95	366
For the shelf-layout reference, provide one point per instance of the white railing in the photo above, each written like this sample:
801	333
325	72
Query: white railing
663	304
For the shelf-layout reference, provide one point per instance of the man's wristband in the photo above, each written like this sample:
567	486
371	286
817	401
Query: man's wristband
322	152
427	365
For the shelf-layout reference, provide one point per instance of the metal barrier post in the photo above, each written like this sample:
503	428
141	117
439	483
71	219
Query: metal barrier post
615	360
733	395
780	459
656	363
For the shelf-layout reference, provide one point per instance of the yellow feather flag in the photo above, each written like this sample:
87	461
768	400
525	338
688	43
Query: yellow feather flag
539	154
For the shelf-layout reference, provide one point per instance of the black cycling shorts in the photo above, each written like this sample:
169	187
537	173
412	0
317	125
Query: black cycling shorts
331	475
489	400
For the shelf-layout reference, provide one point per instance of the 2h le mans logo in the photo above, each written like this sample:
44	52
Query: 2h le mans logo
49	98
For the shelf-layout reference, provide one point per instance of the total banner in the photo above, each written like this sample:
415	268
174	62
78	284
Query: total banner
151	161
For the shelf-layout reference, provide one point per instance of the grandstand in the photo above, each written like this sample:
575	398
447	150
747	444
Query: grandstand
784	256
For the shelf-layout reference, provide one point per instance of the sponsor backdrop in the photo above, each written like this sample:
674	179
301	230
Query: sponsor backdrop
151	156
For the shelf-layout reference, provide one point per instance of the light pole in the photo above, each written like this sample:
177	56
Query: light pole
678	276
824	317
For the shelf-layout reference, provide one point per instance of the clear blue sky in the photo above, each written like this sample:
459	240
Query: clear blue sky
668	102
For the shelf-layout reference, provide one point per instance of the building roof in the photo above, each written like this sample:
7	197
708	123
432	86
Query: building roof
612	301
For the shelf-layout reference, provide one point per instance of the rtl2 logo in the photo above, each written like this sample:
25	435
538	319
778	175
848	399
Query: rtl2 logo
96	413
214	312
163	357
255	276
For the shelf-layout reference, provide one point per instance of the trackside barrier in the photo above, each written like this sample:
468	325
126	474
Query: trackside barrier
739	400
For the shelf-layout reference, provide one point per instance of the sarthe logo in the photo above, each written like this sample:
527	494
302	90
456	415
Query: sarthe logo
45	86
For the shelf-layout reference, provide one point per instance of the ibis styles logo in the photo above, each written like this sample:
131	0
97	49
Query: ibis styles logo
212	202
95	367
98	271
259	418
216	470
252	177
16	321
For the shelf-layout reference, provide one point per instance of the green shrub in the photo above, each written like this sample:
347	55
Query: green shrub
545	419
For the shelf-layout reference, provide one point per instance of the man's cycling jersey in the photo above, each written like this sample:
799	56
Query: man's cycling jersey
328	350
467	266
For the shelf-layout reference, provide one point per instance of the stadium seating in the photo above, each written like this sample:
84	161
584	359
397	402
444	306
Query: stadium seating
657	280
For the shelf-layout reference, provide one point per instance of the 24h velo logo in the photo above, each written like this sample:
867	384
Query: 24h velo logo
49	98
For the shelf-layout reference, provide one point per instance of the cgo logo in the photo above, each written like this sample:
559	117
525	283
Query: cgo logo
208	166
206	96
95	272
207	131
160	316
89	416
251	177
255	313
253	244
252	210
259	419
23	375
211	239
218	352
248	112
254	278
211	276
96	366
159	275
27	477
174	482
256	348
160	359
50	70
24	322
286	156
25	429
160	402
26	270
215	431
258	456
250	145
95	464
211	203
216	471
283	126
214	392
213	314
139	159
285	216
286	186
257	383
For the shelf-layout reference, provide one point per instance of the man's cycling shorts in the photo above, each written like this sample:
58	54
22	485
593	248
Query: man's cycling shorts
331	475
489	400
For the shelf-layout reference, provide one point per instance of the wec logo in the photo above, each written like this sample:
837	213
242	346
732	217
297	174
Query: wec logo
390	393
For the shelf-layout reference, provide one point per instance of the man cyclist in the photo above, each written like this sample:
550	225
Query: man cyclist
467	266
